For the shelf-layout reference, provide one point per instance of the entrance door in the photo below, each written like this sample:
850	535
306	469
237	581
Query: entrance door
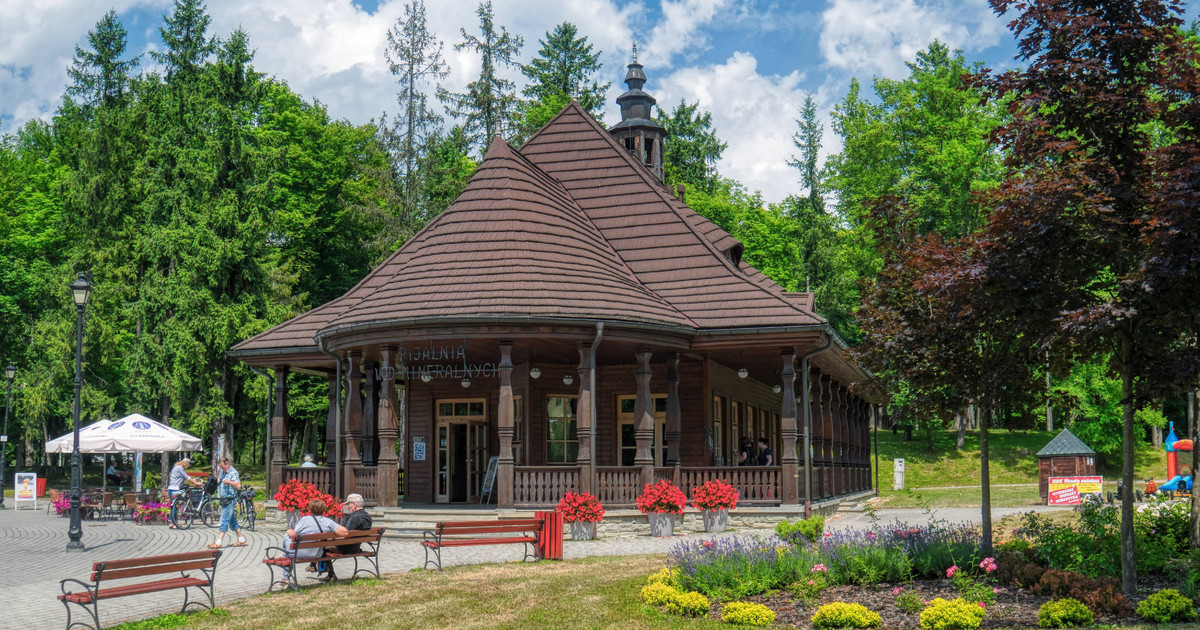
462	450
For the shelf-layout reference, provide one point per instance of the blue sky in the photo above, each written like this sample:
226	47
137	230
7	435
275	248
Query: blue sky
749	62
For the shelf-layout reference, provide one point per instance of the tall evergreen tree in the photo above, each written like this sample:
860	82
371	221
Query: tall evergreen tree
187	46
489	105
100	76
566	65
808	142
692	147
414	57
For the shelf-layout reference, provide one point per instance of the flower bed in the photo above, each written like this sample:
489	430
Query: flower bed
294	496
152	513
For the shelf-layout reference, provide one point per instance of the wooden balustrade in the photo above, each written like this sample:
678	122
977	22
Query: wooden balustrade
320	476
366	483
755	484
619	486
543	486
667	473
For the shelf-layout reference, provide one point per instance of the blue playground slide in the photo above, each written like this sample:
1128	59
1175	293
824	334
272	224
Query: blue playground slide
1174	484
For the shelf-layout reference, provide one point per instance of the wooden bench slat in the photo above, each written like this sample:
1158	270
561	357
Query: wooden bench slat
467	542
485	530
515	522
155	569
137	562
135	589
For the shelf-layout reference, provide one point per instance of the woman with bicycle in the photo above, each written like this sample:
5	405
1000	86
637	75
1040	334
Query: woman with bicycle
227	491
177	482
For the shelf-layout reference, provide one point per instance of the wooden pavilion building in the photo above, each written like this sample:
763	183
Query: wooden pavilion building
572	318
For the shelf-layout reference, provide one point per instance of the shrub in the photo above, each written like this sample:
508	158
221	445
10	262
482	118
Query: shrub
737	567
581	507
1015	570
662	497
867	563
665	575
657	594
688	605
908	601
957	614
1100	595
715	495
1064	613
842	615
802	531
1017	546
1167	606
747	614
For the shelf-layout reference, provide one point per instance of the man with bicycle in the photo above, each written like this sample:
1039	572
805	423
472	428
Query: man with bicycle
177	482
227	492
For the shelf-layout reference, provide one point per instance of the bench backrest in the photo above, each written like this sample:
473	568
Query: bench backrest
508	526
153	565
330	539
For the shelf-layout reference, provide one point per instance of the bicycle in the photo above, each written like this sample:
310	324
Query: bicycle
192	503
243	510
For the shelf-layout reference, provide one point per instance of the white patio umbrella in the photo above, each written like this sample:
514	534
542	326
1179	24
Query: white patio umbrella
135	433
66	443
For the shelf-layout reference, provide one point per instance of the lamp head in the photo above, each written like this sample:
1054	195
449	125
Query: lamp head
568	379
80	290
743	373
535	372
466	382
10	371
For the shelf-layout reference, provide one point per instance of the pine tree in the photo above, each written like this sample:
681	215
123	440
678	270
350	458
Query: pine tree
692	147
184	35
100	76
489	104
414	56
566	65
808	142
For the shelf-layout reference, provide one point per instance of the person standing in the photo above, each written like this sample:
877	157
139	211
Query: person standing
177	483
746	455
227	491
765	456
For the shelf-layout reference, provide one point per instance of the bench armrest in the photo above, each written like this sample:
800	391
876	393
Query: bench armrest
431	535
280	552
90	588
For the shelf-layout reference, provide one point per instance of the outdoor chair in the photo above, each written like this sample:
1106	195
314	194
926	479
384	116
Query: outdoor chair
106	505
131	505
53	497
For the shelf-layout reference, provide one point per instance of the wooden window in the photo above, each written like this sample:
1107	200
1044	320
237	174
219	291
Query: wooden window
562	439
627	424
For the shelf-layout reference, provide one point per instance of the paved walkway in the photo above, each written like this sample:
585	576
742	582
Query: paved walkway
33	544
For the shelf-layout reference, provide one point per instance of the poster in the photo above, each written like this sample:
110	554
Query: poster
1068	490
418	448
25	486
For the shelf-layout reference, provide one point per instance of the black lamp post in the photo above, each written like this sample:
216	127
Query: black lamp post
9	372
79	292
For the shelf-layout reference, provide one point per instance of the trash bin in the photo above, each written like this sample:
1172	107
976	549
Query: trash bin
41	486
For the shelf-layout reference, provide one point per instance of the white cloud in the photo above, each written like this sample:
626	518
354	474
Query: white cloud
755	114
680	29
876	37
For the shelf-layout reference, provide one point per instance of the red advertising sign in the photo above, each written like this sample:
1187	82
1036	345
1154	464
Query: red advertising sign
1067	490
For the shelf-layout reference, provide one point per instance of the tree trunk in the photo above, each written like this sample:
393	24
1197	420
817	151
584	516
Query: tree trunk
1049	406
306	443
985	481
962	418
1156	437
1128	555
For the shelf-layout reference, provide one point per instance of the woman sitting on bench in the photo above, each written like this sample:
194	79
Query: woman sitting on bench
312	522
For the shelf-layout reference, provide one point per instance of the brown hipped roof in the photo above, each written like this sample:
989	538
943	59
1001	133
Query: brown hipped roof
570	226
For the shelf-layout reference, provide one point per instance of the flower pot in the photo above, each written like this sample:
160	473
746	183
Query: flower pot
662	524
583	530
715	521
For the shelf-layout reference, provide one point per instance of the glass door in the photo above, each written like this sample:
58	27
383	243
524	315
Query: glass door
461	450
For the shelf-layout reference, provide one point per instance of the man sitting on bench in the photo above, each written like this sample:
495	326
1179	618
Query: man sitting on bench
313	522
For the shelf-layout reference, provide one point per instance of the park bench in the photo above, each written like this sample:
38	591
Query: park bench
527	531
328	542
103	573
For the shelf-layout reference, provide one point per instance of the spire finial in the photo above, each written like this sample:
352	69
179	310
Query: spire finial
635	51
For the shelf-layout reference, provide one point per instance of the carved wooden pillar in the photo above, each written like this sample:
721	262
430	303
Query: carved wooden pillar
353	428
331	420
815	435
279	435
789	474
388	475
504	428
864	444
828	437
674	429
840	425
855	444
583	418
643	411
370	404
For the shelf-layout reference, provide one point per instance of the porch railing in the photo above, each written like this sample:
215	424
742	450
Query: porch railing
755	484
321	476
618	486
366	480
543	486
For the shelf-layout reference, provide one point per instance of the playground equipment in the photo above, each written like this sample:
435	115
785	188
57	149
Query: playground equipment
1179	477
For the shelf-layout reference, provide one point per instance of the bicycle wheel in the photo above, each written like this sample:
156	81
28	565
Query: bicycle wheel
244	513
210	512
183	512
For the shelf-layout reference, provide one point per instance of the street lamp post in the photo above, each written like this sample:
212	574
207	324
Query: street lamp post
79	292
9	372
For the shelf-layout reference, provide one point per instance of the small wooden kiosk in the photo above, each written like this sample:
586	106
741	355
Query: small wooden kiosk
1065	456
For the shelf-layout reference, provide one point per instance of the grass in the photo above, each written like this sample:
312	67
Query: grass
599	592
596	592
1013	460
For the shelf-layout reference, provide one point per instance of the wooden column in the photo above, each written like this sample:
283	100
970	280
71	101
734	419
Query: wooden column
583	418
856	439
827	430
331	420
674	429
352	432
839	424
815	433
388	475
504	428
279	434
789	489
643	411
370	404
